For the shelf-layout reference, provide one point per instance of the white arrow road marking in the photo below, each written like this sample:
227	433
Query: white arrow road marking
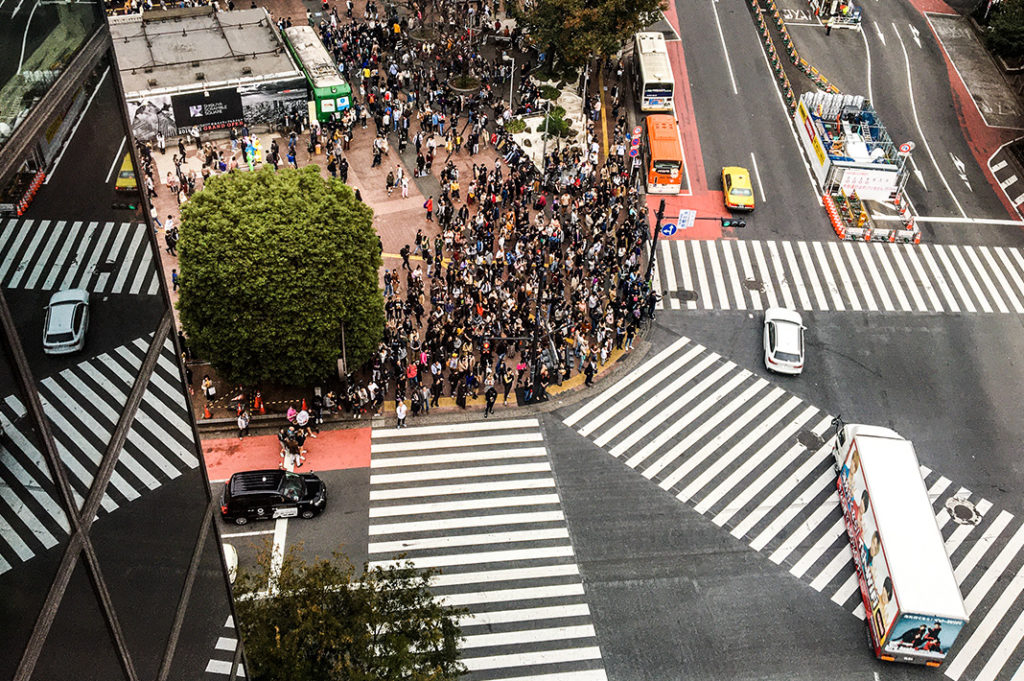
881	36
917	173
961	169
917	34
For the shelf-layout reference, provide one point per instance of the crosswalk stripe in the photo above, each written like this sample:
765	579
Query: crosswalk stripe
57	266
509	537
913	286
812	276
993	293
780	273
465	488
895	284
678	449
981	547
482	557
1010	270
684	260
528	636
716	274
143	270
434	459
595	403
748	274
1004	285
845	280
639	390
869	255
469	426
763	274
133	247
76	263
463	505
734	275
15	247
385	447
984	629
819	547
842	558
90	263
794	273
455	473
539	657
861	279
790	543
43	262
680	423
113	255
670	272
37	236
847	590
30	481
958	276
702	277
940	278
957	537
995	569
535	614
634	415
506	575
532	593
779	522
830	282
1003	651
579	675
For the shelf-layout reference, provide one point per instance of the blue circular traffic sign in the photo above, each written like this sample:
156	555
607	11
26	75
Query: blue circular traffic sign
633	152
668	228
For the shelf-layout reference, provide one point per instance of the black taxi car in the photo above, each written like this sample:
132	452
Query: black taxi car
272	493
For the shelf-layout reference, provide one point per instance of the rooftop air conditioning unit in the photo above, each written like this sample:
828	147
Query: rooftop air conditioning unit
200	75
247	70
152	82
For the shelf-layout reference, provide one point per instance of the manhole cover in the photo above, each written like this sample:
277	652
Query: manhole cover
962	511
810	440
754	285
688	296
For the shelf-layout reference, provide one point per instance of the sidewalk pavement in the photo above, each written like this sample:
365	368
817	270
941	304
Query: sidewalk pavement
330	450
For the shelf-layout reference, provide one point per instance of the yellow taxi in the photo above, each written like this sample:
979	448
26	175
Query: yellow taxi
739	194
126	176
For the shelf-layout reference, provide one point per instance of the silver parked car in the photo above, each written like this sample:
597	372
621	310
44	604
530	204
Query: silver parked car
67	319
783	341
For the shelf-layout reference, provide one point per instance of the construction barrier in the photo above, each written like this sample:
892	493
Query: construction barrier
851	222
30	192
820	81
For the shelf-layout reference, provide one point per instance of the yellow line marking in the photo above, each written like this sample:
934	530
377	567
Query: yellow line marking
600	94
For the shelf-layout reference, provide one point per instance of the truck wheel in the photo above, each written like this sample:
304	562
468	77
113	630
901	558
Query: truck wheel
241	520
307	514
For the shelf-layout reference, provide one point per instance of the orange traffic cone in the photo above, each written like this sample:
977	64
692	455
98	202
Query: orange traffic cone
258	406
304	408
206	411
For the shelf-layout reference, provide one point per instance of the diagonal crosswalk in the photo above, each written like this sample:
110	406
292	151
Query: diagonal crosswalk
219	667
478	502
158	449
840	276
103	257
751	457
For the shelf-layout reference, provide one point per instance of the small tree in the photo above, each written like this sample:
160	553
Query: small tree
1005	34
275	266
576	30
322	623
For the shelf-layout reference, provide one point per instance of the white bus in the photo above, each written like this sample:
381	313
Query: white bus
654	81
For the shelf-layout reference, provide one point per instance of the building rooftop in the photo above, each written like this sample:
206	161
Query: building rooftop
181	50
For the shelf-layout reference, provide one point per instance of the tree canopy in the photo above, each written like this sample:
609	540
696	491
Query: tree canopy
274	265
578	30
1005	34
324	623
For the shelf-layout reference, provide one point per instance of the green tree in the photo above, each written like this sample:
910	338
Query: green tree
274	266
323	623
574	31
1005	34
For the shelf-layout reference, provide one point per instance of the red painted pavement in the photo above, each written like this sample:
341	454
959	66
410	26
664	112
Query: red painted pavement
699	197
331	450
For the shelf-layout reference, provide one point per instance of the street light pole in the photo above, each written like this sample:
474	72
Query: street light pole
654	242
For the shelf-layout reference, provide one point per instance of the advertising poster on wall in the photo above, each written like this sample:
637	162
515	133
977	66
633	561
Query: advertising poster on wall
269	103
207	110
924	635
150	116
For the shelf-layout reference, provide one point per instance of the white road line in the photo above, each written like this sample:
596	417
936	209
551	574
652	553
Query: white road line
753	460
780	273
539	657
957	537
81	117
452	541
908	274
981	546
842	558
717	441
90	264
525	615
725	48
1011	270
984	629
504	575
684	269
765	274
467	488
995	570
117	157
467	521
940	278
972	255
999	166
472	426
812	276
670	273
77	263
838	254
29	482
464	505
124	266
58	264
640	390
894	282
830	282
779	522
829	505
596	402
921	274
798	281
917	123
455	473
1003	283
965	270
1003	651
1008	181
455	442
43	261
143	271
528	636
510	555
702	277
716	273
767	475
757	174
277	552
456	457
862	280
12	252
848	589
748	274
826	540
733	273
654	403
874	275
529	593
686	418
38	233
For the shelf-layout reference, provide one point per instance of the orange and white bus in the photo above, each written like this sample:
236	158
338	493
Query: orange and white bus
663	154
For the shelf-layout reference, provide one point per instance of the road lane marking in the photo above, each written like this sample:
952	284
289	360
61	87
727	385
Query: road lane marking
725	49
116	157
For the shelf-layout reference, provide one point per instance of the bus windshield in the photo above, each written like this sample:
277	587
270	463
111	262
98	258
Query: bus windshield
665	167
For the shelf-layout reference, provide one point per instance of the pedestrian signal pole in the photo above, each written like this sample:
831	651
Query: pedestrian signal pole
654	242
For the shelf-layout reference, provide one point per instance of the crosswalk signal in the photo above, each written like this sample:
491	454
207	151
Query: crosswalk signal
733	222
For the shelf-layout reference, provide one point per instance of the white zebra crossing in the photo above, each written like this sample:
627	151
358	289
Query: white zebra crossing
504	547
58	254
749	456
221	663
832	275
158	448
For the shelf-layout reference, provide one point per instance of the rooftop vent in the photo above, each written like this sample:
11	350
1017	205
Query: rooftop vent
151	82
200	75
247	70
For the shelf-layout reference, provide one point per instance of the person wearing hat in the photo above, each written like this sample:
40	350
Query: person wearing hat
401	411
302	421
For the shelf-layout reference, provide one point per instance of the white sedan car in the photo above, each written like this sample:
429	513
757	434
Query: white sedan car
67	319
783	341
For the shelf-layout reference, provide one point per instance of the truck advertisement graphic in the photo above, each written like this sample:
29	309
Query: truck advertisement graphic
923	634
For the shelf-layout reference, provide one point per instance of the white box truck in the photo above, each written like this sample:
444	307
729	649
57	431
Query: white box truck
912	603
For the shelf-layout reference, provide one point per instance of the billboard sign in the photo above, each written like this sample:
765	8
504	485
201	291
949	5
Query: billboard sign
207	110
923	635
